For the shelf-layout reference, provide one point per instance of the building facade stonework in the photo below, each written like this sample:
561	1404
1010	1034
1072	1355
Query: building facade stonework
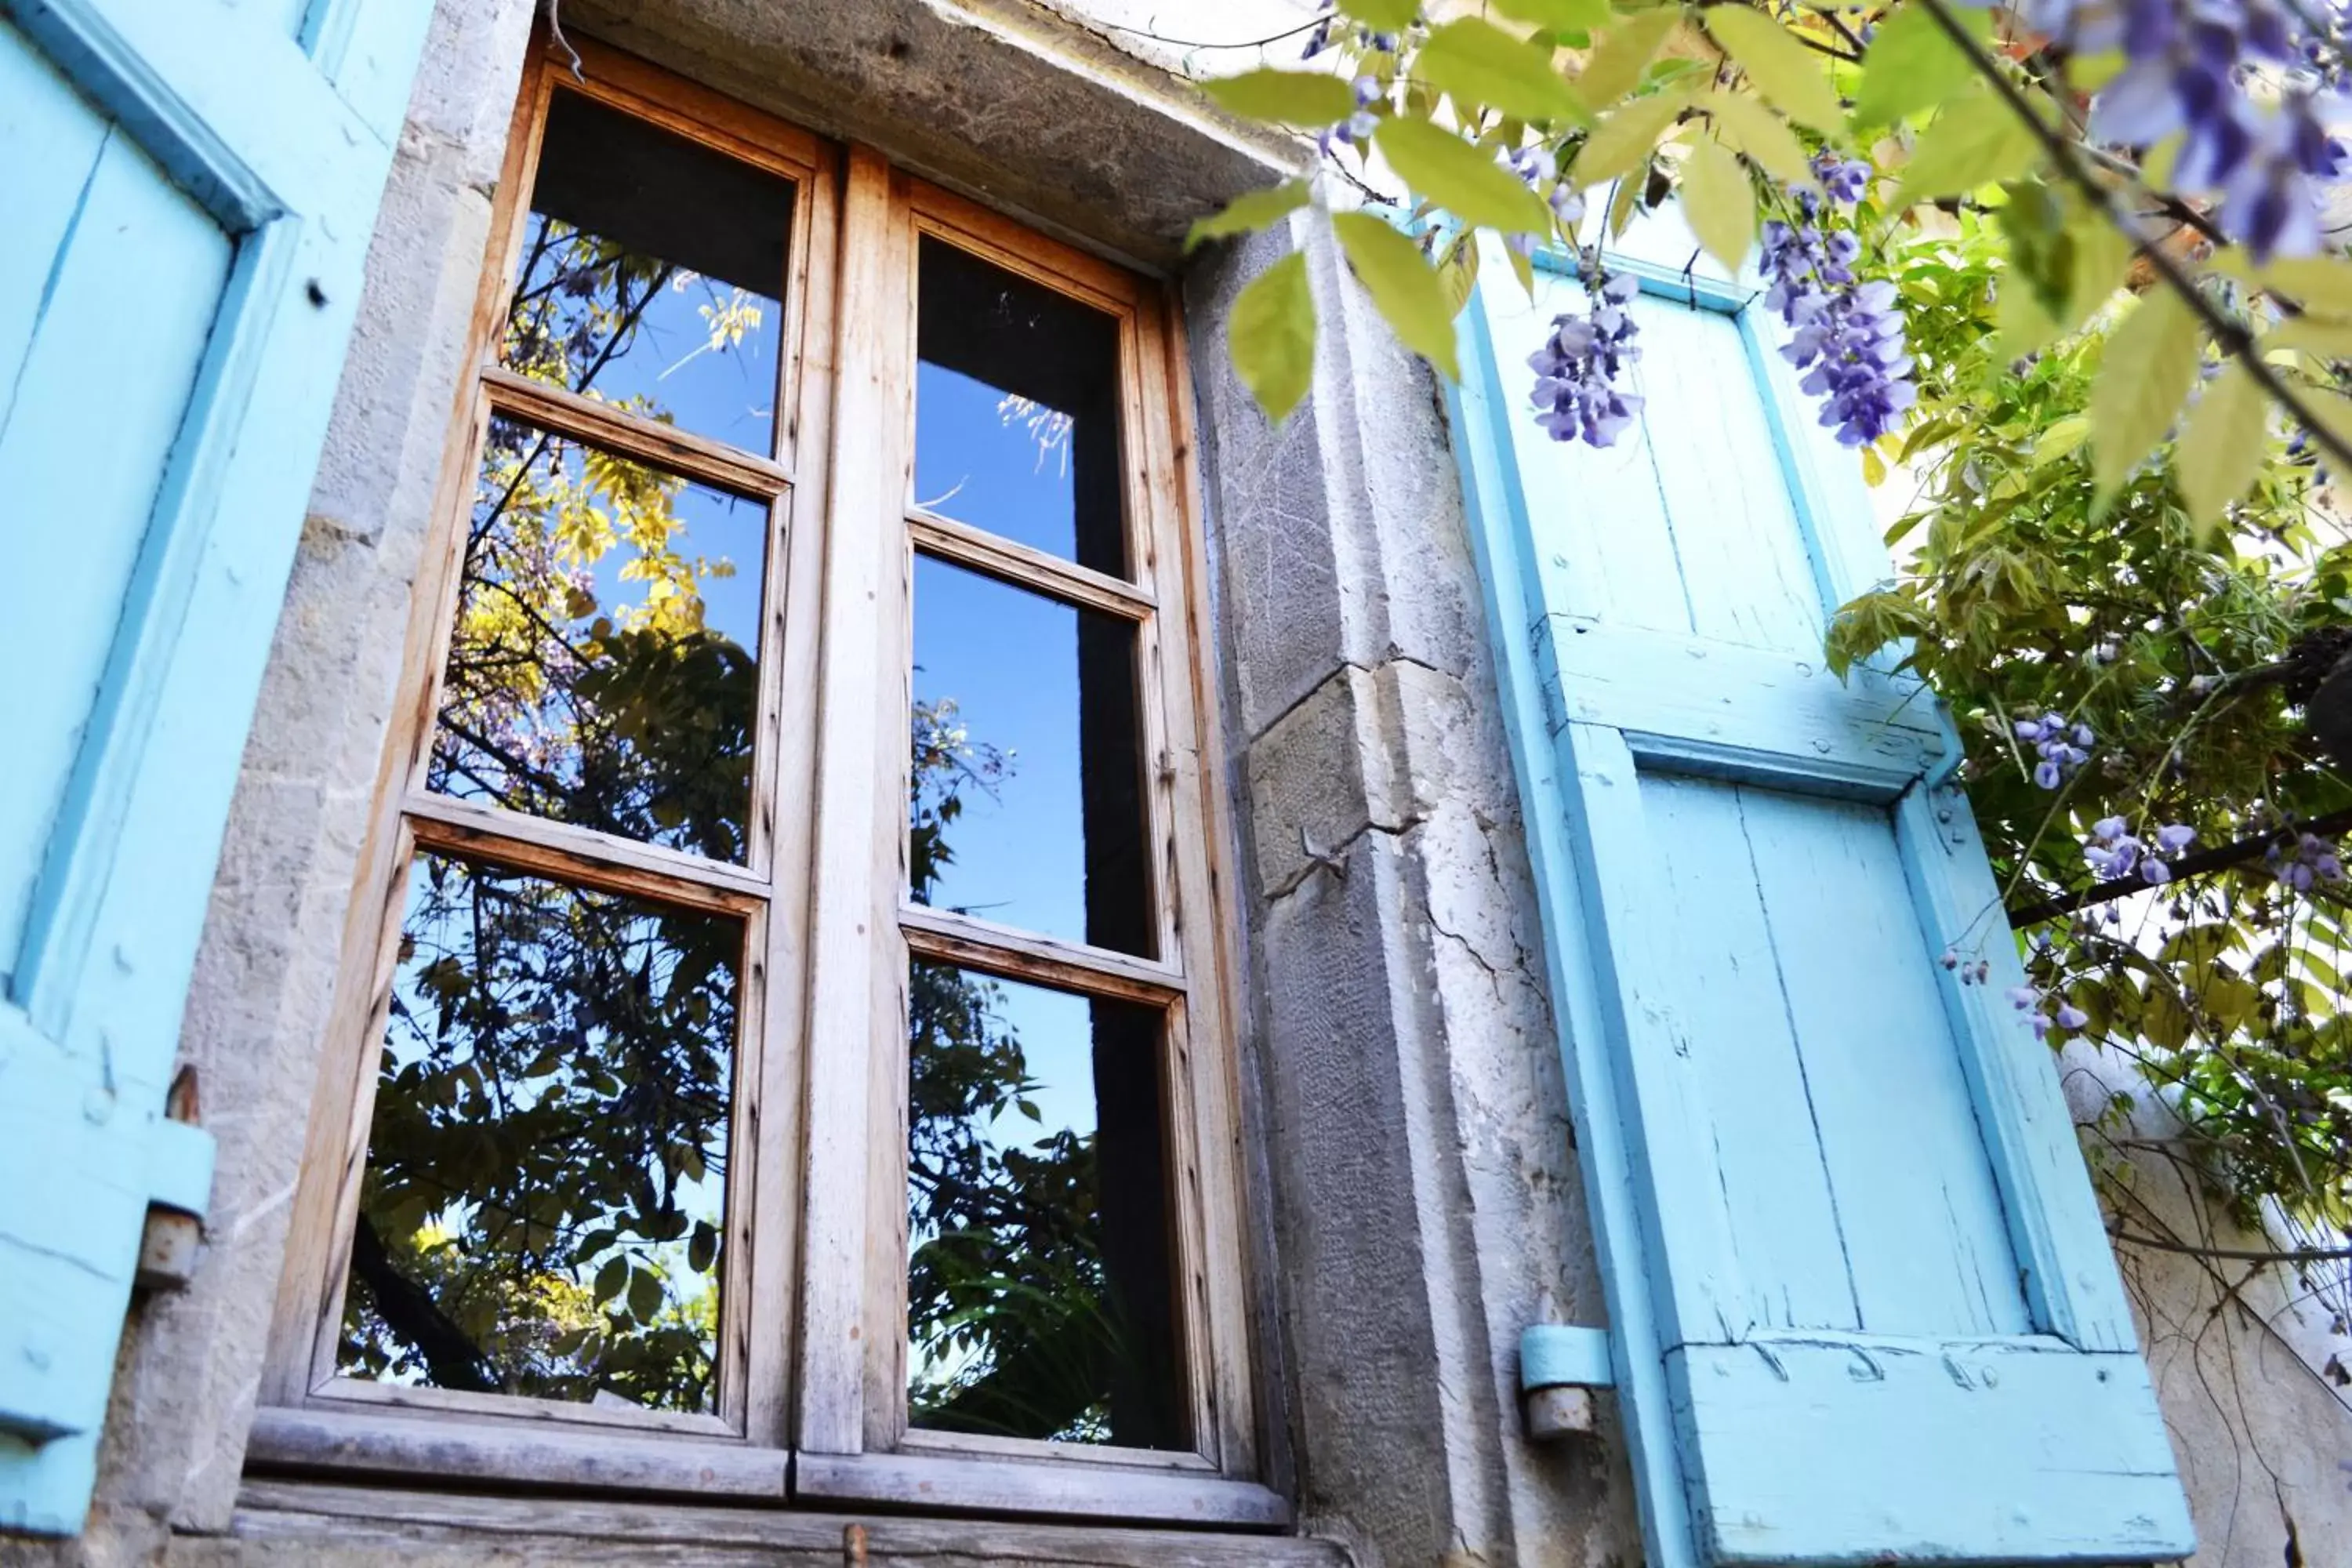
1408	1171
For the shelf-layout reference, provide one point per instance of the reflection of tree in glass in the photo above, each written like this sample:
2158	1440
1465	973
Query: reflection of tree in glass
630	718
542	1203
1013	1324
549	1145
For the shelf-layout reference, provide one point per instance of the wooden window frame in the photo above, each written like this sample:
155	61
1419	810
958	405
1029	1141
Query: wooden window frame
812	1358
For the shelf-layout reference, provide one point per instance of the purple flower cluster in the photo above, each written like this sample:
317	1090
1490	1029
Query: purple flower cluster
2315	861
2114	852
1358	128
1973	971
2063	747
2190	61
2034	1002
1577	369
1847	332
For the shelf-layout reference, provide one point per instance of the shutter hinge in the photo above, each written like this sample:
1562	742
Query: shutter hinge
1559	1366
178	1190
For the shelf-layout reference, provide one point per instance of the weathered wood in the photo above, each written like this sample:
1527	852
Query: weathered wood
548	1529
860	732
493	831
650	441
359	1396
949	937
535	853
1026	565
1036	1487
541	1453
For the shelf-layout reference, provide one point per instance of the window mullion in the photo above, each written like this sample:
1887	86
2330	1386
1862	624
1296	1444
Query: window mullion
860	782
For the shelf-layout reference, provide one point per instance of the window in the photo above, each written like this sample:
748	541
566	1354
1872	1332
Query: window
692	1105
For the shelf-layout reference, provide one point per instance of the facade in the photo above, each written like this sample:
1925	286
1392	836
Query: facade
1400	1024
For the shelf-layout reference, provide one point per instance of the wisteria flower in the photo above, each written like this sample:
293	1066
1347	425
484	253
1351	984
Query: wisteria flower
1577	369
2191	72
2314	862
1848	336
2063	748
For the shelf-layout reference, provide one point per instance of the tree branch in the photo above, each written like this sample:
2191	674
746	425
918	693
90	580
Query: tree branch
2232	337
2189	865
2239	1255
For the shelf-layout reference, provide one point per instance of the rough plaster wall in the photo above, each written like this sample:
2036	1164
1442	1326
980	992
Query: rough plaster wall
2263	1437
189	1365
1400	1060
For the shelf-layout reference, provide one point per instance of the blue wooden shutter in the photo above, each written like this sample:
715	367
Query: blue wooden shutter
188	189
1862	1307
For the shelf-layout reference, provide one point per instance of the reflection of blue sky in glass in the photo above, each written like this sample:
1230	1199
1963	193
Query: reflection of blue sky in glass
669	364
991	462
1009	660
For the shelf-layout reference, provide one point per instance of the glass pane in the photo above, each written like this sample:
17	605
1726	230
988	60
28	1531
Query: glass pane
544	1198
1040	1298
1016	410
1026	805
652	269
602	668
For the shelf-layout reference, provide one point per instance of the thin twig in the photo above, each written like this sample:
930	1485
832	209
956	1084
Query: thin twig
2232	337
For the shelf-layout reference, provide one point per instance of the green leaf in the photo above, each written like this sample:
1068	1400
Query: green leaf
1763	135
2222	449
2314	335
2063	436
610	1277
1249	212
703	1250
2150	362
1383	16
2103	254
1621	205
1312	99
1459	271
1620	142
1718	202
2025	326
1272	336
1478	63
645	1296
1975	141
1911	65
1614	68
1562	16
1463	179
1403	283
1788	75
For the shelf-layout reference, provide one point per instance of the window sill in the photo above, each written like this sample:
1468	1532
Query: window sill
1039	1487
319	1441
311	1518
538	1453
